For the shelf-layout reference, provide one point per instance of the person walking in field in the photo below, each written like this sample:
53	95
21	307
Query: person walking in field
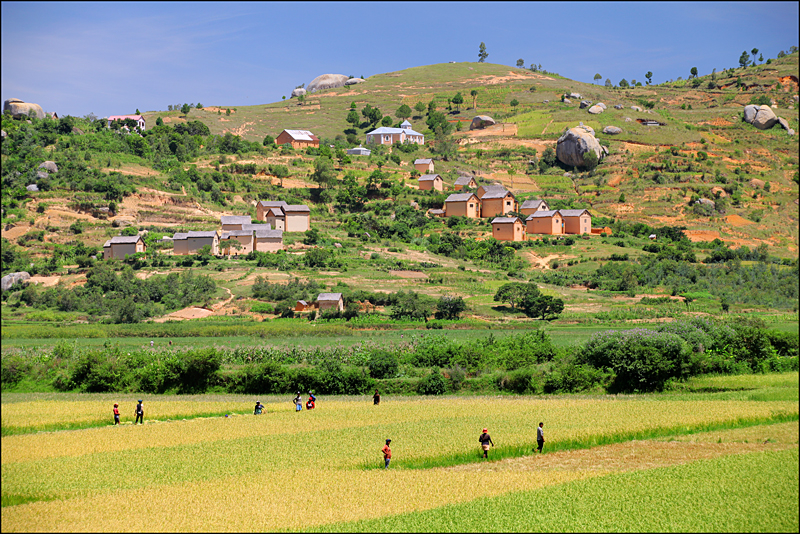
258	408
298	402
485	440
540	437
116	413
387	454
376	398
139	412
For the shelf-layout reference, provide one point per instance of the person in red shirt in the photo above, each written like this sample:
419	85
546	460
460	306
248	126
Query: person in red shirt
387	454
310	403
116	413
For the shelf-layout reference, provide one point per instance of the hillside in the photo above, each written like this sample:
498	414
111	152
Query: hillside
187	173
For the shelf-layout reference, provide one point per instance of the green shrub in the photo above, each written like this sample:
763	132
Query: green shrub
432	384
383	364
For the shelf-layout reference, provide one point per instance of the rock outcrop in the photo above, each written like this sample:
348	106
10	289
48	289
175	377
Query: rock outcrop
785	125
762	117
602	105
20	109
354	81
567	101
33	188
299	91
585	103
618	106
750	113
576	96
49	166
612	130
481	121
636	108
575	143
594	110
327	81
12	278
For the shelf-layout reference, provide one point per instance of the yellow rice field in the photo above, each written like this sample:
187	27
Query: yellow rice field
286	470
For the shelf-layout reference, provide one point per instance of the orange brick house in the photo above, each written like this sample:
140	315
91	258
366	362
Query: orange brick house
545	222
464	182
462	204
577	221
429	182
497	202
508	229
297	138
532	206
424	165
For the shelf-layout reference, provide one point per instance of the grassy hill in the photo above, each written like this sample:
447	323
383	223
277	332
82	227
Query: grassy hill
653	175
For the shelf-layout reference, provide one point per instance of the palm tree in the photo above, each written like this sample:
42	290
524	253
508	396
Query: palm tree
474	94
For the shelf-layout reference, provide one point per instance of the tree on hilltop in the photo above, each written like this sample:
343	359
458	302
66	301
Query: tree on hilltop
458	100
482	53
520	63
403	112
755	53
744	59
608	83
694	72
419	107
597	77
352	118
185	109
623	83
649	76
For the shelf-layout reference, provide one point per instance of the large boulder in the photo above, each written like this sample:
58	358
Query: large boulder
42	174
585	103
327	81
636	108
765	118
601	105
750	113
354	81
49	166
574	144
299	91
33	188
618	106
784	123
567	101
20	109
576	96
594	110
612	130
12	278
481	121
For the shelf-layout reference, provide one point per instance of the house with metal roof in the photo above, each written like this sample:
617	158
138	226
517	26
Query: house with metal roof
463	205
424	165
547	222
577	221
244	238
359	151
533	205
185	243
326	301
297	138
508	229
140	122
283	216
497	201
234	222
122	245
430	182
387	136
465	181
266	239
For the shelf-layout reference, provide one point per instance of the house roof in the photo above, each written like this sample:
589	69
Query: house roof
267	233
296	207
532	204
464	180
236	233
257	227
123	117
329	296
272	203
124	240
302	135
460	197
505	220
573	213
276	211
180	235
235	219
538	214
387	130
493	188
212	233
496	193
436	212
359	150
304	303
428	177
405	124
423	161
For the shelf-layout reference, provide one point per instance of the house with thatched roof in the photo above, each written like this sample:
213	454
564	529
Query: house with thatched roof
123	245
185	243
326	301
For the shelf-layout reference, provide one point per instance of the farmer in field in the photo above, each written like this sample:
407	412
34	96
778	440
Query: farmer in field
116	413
376	398
310	403
139	413
298	402
258	409
540	437
387	454
485	440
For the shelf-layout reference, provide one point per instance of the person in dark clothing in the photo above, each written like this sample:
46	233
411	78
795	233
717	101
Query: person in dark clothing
540	437
376	398
485	440
258	408
116	413
139	413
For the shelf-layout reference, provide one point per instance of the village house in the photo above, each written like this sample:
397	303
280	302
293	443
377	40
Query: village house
545	222
283	216
424	165
297	138
140	122
234	222
429	182
462	204
122	245
577	221
496	202
387	136
436	213
508	229
243	237
464	182
603	231
326	301
482	190
532	206
185	243
359	151
266	239
302	306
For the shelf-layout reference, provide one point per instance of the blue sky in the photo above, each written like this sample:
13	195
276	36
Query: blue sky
111	58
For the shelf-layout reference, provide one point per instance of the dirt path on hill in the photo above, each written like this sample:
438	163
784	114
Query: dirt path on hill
540	262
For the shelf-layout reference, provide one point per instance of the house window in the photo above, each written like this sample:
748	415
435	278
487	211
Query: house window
472	205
